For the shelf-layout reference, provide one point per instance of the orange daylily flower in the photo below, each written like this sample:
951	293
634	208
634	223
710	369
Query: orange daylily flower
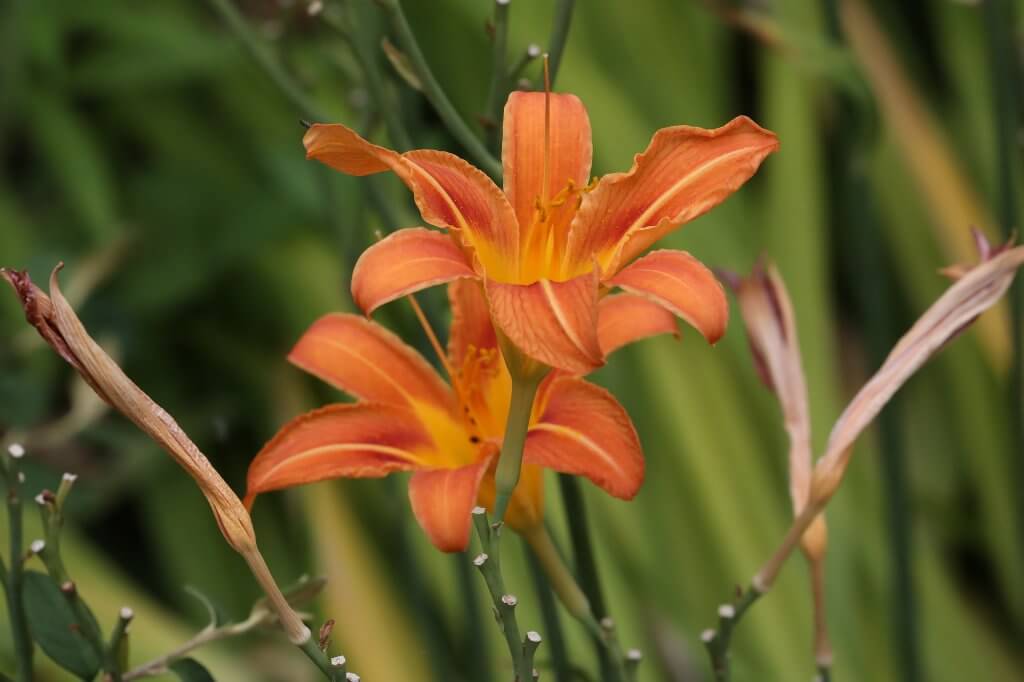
408	418
548	246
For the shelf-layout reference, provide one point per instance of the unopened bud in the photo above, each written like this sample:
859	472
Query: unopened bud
37	546
509	600
16	450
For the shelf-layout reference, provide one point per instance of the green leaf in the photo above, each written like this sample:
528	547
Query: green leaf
191	670
56	628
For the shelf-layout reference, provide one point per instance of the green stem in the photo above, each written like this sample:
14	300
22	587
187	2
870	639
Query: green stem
529	55
552	623
559	577
717	641
436	95
489	564
499	79
365	46
559	35
266	58
334	673
118	646
583	554
524	389
21	640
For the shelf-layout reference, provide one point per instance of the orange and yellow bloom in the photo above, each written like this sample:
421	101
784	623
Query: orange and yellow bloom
408	418
552	243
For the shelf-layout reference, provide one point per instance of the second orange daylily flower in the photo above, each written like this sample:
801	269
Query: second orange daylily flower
409	419
548	246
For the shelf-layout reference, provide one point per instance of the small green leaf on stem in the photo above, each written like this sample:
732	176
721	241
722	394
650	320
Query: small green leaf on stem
56	628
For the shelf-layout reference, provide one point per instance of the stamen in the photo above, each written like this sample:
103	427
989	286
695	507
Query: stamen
547	131
441	355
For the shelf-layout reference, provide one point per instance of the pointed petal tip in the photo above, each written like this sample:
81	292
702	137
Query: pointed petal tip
404	262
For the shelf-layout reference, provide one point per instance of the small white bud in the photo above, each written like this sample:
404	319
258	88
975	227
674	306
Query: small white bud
69	478
509	599
727	611
16	450
40	500
127	613
479	511
707	636
634	655
480	559
21	477
338	661
352	677
607	623
37	546
533	50
315	8
533	636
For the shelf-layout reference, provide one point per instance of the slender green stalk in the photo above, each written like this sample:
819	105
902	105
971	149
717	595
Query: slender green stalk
332	670
116	653
516	70
365	46
524	389
21	640
717	641
266	58
436	95
559	35
552	623
583	555
499	78
489	564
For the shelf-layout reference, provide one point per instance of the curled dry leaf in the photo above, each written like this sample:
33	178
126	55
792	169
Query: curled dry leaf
57	323
975	290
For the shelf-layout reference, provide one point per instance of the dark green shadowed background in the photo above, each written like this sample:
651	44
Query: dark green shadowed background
142	144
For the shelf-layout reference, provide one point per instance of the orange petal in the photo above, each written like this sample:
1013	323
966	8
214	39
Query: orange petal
443	500
625	318
552	322
340	441
450	192
684	173
403	263
522	152
585	431
367	361
681	283
471	321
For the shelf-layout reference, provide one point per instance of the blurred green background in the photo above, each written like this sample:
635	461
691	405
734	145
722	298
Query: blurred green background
143	145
